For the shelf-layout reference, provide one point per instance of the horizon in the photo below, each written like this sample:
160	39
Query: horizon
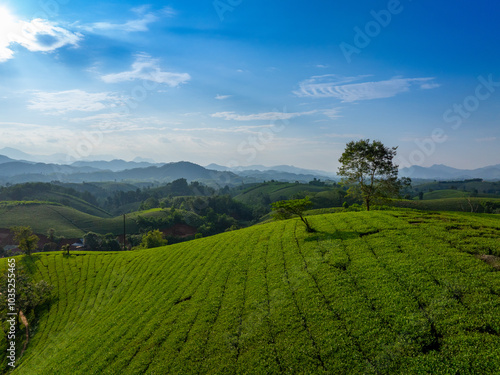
252	83
139	159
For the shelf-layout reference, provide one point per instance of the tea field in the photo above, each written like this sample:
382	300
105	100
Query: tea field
382	292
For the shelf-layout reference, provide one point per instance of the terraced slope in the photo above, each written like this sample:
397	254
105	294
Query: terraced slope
276	191
370	293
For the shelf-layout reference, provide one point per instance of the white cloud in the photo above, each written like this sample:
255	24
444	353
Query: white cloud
336	135
261	116
73	100
222	97
333	113
332	86
147	68
237	129
137	25
430	86
37	35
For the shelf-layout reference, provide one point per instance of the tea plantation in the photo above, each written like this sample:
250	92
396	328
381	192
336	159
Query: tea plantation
382	292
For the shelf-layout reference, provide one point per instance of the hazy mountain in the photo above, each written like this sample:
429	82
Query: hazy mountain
5	159
58	158
19	172
443	172
290	169
259	176
115	165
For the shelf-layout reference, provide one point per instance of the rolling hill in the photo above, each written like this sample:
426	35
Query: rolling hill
67	221
275	191
367	293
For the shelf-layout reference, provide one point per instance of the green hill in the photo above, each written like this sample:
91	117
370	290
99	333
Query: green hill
451	204
381	292
275	191
446	193
67	221
51	193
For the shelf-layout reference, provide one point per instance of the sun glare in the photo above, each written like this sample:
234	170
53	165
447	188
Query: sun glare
7	21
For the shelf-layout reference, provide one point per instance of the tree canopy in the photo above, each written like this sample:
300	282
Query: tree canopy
368	167
26	240
287	208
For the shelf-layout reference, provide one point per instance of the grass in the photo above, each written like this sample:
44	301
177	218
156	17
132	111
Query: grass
447	204
446	193
276	191
67	221
382	292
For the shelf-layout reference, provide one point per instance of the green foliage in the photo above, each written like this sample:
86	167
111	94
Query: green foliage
369	169
25	239
379	292
286	209
96	242
28	294
152	239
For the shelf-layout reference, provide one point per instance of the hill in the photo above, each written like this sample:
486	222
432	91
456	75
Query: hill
445	193
439	171
488	205
67	221
274	191
367	293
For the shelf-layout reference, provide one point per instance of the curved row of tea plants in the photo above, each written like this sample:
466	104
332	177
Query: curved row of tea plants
380	292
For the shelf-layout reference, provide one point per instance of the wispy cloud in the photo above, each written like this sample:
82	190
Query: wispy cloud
140	24
147	68
237	129
268	116
38	35
222	97
337	135
73	100
333	86
333	113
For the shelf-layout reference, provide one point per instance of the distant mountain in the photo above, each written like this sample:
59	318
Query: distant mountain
58	158
287	169
443	172
16	168
5	159
19	172
259	176
115	165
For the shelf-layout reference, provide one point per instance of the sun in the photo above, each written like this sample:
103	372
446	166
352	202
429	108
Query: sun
7	20
8	29
8	23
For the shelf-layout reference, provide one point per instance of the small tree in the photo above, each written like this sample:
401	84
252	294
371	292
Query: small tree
26	240
287	208
92	241
369	168
153	238
65	248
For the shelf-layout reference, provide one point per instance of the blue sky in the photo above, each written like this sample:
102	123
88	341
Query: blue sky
240	82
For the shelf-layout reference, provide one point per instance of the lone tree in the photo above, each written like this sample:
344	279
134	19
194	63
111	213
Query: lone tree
26	240
369	169
286	209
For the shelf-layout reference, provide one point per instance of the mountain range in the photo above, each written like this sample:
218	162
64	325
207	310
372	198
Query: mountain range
30	168
443	172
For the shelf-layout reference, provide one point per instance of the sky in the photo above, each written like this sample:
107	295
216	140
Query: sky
240	82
